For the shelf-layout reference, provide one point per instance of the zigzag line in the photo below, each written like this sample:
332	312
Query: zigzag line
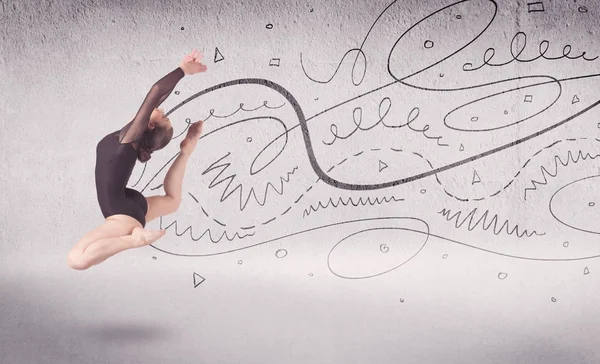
483	221
239	187
224	235
557	159
368	201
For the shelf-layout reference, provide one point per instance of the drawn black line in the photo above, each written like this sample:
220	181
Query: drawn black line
348	201
485	223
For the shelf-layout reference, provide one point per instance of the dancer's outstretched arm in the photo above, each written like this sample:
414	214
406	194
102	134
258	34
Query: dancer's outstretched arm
158	93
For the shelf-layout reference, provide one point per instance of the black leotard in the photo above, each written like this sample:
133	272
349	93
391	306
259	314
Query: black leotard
116	156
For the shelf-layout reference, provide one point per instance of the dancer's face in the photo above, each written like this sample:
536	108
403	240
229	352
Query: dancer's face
158	118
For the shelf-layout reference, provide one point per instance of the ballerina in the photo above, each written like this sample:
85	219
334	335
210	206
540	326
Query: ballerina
127	211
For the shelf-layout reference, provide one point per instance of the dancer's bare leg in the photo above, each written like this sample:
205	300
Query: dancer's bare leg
173	184
118	233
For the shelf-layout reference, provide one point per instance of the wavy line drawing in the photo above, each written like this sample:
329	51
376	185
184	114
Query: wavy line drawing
485	223
206	232
230	179
569	159
348	201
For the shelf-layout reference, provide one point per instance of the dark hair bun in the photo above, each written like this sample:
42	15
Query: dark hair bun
143	154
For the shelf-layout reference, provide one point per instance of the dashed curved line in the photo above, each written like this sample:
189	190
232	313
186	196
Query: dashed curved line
483	221
496	193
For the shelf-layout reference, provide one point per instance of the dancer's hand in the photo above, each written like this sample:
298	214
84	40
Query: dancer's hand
191	139
191	63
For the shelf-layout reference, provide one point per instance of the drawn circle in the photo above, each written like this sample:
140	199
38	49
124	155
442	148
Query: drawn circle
176	92
591	204
598	125
474	118
310	274
441	75
401	300
188	120
182	28
583	9
567	205
505	112
553	299
248	139
311	10
566	244
281	253
240	262
502	275
154	258
444	256
423	191
352	257
384	248
269	26
458	16
428	44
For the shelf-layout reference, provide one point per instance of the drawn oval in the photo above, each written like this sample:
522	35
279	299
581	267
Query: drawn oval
491	112
577	205
409	56
360	255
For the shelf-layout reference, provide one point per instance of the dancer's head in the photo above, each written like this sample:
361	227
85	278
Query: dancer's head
156	136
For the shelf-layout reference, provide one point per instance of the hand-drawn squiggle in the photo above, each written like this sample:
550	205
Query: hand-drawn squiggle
483	221
570	158
348	201
207	231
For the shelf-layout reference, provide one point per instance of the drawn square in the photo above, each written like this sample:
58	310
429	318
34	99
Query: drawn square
536	7
274	62
528	98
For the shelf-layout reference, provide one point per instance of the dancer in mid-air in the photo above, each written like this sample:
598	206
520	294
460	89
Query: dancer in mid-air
127	211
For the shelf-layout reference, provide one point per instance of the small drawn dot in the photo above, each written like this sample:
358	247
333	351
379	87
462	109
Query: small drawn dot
583	9
598	125
269	26
458	16
441	75
505	112
240	261
423	191
444	256
428	44
249	139
182	28
281	253
401	300
311	10
176	92
113	20
566	244
310	274
474	118
154	258
591	204
384	248
553	299
502	275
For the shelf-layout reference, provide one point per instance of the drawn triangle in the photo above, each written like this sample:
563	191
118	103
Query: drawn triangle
197	279
462	148
382	166
476	178
218	56
586	271
575	100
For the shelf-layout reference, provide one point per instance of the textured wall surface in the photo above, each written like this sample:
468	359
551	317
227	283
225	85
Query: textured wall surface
378	182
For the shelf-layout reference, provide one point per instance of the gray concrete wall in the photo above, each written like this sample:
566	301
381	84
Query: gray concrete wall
411	182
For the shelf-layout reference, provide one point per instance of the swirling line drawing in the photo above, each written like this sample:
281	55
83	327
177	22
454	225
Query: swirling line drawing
340	201
357	114
483	221
521	44
570	158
